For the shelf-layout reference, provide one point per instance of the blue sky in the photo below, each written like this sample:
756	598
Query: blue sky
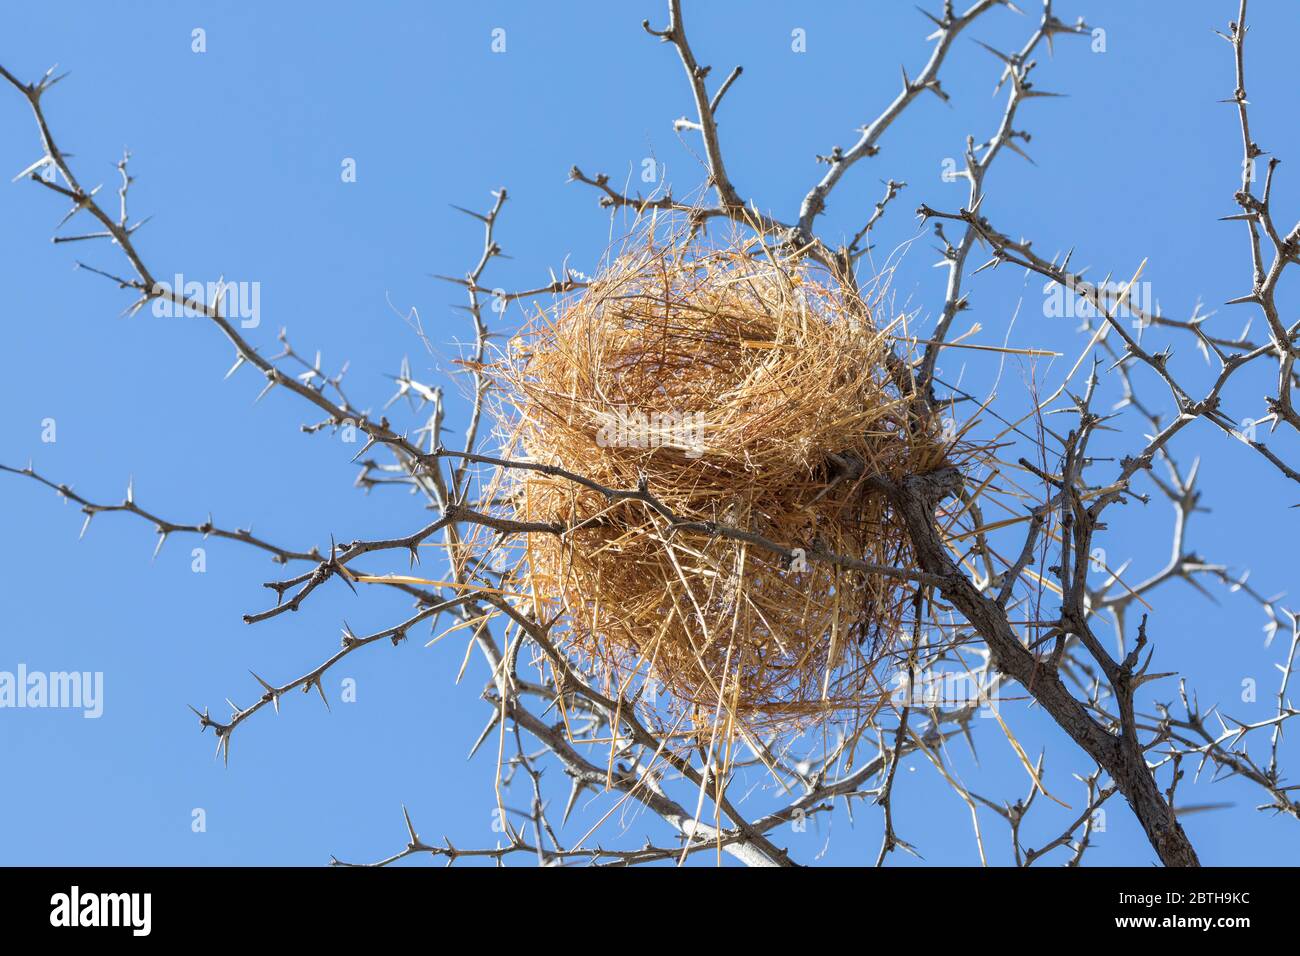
237	154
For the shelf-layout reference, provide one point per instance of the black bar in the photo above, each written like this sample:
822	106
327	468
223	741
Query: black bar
943	906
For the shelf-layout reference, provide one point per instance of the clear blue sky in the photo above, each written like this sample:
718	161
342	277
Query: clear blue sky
237	155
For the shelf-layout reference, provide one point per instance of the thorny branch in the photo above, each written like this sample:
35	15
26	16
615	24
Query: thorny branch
986	610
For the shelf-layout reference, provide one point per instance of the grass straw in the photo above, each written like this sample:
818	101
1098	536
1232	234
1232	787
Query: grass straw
737	385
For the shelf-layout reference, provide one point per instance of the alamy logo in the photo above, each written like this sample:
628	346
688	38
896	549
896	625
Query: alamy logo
234	300
74	690
632	428
1123	300
103	909
945	689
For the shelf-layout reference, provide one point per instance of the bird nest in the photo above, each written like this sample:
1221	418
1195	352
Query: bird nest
748	405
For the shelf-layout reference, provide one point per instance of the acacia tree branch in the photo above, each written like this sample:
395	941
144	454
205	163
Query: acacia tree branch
916	499
1017	68
705	107
947	27
644	764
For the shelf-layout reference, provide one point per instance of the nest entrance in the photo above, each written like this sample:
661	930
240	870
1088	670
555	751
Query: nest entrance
742	393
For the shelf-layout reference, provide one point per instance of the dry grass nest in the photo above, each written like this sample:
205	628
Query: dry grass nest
744	393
